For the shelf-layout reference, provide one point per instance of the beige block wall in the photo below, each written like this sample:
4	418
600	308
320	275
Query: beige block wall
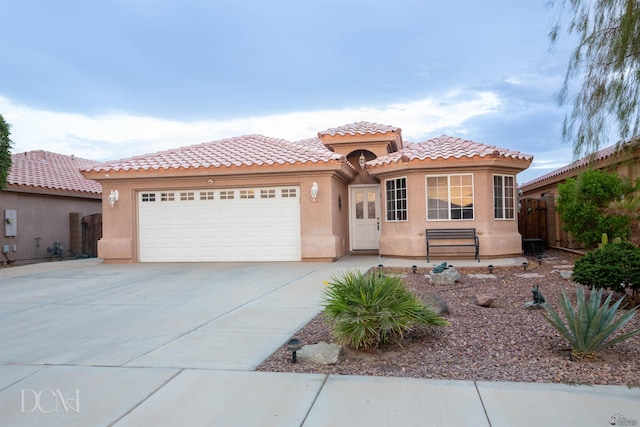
40	216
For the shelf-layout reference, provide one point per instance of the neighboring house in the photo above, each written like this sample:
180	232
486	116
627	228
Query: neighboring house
44	202
623	160
355	188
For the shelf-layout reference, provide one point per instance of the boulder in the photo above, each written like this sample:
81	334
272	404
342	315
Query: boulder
439	305
484	300
448	277
322	353
565	274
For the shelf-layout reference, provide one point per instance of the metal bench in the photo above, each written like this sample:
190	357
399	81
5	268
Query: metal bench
456	234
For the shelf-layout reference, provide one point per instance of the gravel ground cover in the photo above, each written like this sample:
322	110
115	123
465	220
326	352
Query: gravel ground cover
504	342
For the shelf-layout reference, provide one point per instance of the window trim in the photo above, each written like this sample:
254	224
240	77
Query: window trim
504	198
396	210
448	176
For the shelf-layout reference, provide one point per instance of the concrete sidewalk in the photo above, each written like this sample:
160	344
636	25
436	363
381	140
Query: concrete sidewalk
83	343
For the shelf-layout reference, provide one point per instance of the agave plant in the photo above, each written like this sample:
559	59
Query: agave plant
589	327
371	310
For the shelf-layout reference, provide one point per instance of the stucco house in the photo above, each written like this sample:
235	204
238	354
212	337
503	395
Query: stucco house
44	202
357	188
623	160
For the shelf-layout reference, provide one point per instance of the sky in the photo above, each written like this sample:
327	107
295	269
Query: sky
105	80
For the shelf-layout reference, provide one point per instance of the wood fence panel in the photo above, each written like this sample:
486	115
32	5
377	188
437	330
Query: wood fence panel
91	233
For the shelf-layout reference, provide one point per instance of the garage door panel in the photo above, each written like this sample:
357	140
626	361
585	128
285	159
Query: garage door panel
211	228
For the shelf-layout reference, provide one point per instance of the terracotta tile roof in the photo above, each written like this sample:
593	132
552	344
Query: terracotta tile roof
445	147
47	170
600	155
359	128
248	150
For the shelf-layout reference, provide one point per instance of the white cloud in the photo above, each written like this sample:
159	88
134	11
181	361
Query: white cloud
114	136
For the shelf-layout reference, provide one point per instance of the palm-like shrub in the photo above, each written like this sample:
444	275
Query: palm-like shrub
590	326
374	309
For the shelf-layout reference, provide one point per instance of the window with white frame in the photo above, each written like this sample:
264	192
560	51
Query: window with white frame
148	197
167	197
449	197
207	195
268	193
504	196
396	198
288	193
247	194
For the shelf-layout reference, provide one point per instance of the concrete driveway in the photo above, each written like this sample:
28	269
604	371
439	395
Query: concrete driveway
83	343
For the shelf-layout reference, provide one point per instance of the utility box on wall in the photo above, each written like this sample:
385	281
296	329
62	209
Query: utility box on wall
10	223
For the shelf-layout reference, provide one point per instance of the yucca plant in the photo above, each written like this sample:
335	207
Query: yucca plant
373	309
589	327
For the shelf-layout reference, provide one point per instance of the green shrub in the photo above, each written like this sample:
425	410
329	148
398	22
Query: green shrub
591	324
374	309
614	266
583	203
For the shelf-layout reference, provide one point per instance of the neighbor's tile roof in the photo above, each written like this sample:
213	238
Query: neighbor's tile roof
248	150
47	170
445	147
598	156
359	128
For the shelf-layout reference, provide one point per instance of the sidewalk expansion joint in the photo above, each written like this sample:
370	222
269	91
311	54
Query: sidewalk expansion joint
475	384
324	381
168	380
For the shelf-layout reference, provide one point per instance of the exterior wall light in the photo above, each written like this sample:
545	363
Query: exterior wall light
362	161
113	197
314	192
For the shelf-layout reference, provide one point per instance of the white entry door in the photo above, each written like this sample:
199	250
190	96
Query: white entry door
365	217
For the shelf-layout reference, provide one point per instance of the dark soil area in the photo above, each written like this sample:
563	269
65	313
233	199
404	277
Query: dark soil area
504	342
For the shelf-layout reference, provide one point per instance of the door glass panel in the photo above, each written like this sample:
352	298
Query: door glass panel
371	205
359	205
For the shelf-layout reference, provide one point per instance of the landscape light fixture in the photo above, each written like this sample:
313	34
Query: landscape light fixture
490	267
415	269
294	345
524	266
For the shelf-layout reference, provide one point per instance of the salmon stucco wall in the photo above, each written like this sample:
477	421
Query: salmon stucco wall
498	238
323	225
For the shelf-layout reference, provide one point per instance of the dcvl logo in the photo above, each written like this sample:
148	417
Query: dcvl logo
49	401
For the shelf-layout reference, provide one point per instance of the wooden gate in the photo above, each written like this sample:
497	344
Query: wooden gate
91	233
532	220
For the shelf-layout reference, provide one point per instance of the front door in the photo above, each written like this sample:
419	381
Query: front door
365	217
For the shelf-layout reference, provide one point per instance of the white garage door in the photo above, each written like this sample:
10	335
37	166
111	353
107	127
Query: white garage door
246	224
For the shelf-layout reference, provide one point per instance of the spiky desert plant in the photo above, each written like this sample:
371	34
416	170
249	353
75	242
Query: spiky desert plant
373	309
589	327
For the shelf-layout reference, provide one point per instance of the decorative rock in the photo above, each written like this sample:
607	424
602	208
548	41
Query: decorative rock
530	275
448	277
482	276
322	353
439	305
565	274
484	300
531	304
